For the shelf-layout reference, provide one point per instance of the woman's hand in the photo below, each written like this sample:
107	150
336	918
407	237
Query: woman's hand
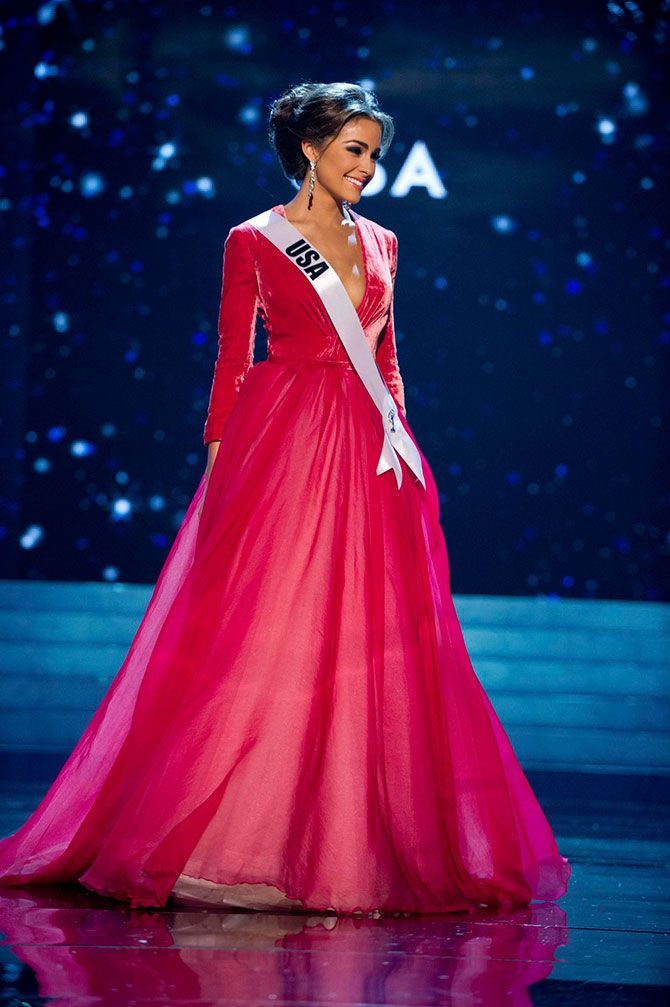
212	451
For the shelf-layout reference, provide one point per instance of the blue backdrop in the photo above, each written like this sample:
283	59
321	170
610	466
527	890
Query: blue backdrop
524	185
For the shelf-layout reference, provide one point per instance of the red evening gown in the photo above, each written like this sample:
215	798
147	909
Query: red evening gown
297	722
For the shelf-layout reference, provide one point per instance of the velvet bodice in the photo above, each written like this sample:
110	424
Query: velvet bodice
259	280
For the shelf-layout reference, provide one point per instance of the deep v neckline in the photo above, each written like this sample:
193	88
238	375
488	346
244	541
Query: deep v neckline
364	256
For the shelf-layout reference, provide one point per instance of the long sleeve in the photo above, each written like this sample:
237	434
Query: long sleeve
236	331
387	353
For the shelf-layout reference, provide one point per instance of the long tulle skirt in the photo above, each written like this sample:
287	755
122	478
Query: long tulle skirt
297	721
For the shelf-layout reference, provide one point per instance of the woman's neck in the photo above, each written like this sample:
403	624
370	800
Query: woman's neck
327	214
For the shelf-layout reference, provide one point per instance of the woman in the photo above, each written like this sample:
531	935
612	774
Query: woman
297	723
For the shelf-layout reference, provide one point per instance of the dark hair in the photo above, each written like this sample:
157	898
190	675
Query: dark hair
317	112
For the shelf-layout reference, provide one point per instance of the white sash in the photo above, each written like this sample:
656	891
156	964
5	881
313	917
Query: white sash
332	292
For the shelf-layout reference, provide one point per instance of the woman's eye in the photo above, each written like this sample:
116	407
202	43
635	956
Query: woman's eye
358	151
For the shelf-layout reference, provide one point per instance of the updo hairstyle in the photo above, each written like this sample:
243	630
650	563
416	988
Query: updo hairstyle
317	112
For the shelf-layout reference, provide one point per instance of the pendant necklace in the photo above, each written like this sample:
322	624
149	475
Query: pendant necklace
348	221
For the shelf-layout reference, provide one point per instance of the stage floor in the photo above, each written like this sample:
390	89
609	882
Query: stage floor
606	942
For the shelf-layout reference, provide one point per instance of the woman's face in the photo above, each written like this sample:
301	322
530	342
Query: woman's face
349	158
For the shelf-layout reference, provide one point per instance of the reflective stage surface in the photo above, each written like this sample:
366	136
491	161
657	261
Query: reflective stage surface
605	943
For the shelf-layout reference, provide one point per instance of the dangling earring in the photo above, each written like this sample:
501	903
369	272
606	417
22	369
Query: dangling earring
312	180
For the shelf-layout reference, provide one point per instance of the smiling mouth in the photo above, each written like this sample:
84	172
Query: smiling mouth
358	184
